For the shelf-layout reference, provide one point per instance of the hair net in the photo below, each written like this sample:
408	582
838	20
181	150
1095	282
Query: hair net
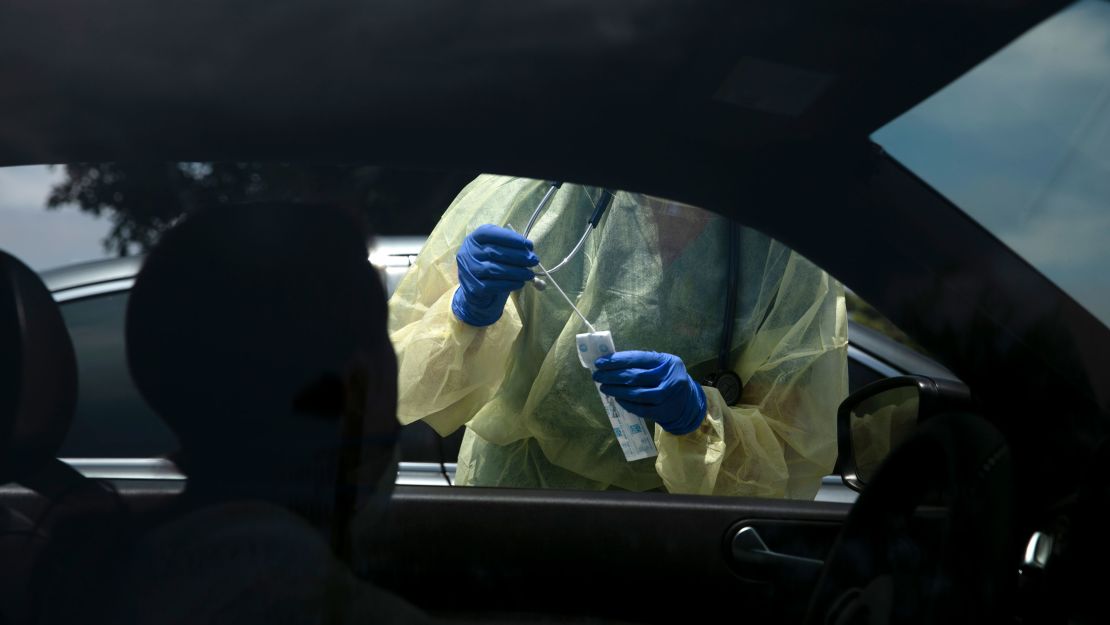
654	273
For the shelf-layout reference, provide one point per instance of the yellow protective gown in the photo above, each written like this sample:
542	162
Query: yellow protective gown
881	424
654	274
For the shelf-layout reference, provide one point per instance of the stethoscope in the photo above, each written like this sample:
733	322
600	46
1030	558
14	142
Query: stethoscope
600	206
726	381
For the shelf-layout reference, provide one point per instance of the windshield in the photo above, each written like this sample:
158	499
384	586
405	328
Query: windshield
1022	144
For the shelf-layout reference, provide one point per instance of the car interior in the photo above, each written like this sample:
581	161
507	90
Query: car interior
790	561
39	395
993	505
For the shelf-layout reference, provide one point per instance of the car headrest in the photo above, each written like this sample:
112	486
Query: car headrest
38	373
265	301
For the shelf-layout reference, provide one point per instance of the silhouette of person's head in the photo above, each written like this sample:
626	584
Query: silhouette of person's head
258	332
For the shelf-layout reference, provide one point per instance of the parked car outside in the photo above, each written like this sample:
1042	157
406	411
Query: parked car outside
116	436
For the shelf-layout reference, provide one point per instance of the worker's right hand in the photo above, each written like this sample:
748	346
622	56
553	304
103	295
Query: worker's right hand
493	262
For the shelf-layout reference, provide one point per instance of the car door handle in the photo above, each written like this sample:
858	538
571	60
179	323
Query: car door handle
755	560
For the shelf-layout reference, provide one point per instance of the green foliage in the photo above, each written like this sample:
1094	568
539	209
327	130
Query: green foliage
143	199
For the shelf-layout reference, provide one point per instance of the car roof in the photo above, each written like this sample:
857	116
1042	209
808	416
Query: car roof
403	248
94	272
124	78
91	272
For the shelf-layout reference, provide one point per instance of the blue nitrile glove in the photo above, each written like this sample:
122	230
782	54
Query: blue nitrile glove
493	262
653	386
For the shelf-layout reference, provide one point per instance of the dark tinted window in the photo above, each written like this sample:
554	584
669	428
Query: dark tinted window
860	375
1022	144
112	420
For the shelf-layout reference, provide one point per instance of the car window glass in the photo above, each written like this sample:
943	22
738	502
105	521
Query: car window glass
510	386
38	226
70	221
880	424
1022	144
640	274
111	421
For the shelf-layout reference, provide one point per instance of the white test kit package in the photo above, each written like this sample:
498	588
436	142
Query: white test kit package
632	432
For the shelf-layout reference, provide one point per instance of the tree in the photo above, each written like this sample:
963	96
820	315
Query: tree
143	199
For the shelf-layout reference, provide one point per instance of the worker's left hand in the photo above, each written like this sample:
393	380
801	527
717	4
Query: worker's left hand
653	386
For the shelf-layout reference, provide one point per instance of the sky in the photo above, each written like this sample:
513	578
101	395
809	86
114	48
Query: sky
1022	144
45	239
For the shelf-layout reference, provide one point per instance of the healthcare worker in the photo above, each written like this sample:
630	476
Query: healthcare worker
480	345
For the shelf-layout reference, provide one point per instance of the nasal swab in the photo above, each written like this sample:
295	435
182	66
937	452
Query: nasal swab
573	307
633	435
561	292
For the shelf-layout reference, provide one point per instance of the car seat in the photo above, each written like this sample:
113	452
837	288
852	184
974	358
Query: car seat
286	421
38	393
901	559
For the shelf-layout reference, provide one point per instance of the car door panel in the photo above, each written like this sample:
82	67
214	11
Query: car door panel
649	557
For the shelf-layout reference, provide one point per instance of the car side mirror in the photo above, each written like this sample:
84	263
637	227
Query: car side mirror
877	418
